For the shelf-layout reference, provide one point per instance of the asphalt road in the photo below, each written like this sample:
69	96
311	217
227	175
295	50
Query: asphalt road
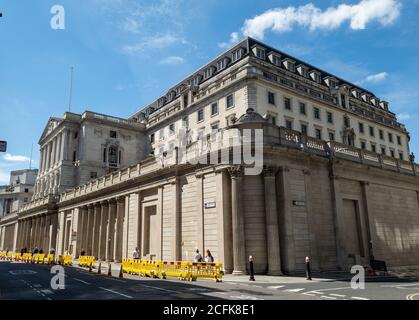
33	282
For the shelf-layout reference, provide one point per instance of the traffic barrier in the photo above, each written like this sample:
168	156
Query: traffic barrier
27	257
3	255
181	269
66	260
50	258
86	261
9	256
39	258
17	256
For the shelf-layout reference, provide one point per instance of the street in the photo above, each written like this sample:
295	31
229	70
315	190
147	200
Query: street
32	282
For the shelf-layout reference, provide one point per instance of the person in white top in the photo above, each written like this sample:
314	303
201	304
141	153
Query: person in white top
198	257
209	257
136	254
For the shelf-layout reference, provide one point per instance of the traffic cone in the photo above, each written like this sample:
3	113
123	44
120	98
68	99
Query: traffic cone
90	267
99	271
110	271
121	274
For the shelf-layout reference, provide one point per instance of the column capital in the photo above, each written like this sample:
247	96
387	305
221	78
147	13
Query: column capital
236	171
120	199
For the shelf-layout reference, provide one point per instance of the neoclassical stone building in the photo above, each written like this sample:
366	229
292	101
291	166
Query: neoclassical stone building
337	182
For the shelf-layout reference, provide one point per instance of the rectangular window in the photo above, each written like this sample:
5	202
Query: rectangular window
363	145
104	152
185	122
237	55
316	113
399	140
200	115
372	132
74	156
112	134
273	120
302	108
390	137
214	109
373	148
392	153
288	124
401	155
214	127
221	64
331	136
381	133
318	133
271	98
260	53
93	175
361	127
304	129
287	103
161	134
383	150
230	101
329	117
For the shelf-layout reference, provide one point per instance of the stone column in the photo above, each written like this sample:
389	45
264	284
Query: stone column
119	223
58	149
96	229
46	233
272	226
64	144
337	206
239	250
102	230
110	230
89	231
224	220
81	230
15	236
36	232
200	213
53	151
368	216
48	162
177	220
41	160
54	231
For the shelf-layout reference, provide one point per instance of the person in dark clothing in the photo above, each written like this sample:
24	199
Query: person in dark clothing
82	253
308	269
41	251
251	270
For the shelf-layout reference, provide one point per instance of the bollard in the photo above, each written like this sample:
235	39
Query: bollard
251	270
90	267
110	271
99	271
308	270
121	274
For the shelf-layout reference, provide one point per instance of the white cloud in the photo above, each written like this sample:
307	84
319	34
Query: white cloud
234	38
374	78
15	158
131	25
403	116
309	16
4	177
157	42
172	60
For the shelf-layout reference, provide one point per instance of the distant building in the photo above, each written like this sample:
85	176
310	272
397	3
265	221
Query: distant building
18	192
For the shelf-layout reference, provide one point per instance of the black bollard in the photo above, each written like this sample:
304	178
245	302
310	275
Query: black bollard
308	270
251	270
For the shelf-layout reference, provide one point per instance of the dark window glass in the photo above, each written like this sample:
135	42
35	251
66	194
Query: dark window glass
361	127
302	108
318	134
113	134
316	113
230	101
214	109
113	155
271	98
329	117
304	129
288	124
287	103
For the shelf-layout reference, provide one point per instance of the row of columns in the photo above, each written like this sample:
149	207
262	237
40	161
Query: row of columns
54	151
99	230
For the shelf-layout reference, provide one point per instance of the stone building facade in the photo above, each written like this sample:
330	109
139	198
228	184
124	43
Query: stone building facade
324	191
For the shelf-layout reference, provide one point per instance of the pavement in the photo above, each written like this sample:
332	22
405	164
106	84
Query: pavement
33	282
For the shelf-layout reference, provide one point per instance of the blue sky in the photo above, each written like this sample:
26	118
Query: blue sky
126	53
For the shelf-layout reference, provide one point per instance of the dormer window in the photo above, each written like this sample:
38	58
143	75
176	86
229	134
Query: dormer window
208	72
197	80
374	101
275	59
355	93
365	97
331	82
237	55
315	75
260	53
302	70
289	64
161	102
221	64
384	105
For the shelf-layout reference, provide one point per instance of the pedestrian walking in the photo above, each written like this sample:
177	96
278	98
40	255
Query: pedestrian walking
198	257
209	257
82	252
136	253
251	269
308	270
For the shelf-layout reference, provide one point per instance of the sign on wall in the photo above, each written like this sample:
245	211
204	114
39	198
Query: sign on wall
3	146
209	205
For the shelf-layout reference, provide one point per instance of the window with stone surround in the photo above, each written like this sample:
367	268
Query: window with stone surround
200	115
316	112
271	97
230	101
287	103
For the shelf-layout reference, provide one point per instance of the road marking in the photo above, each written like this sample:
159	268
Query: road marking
243	297
116	292
411	296
401	285
309	294
337	295
21	272
332	289
37	285
82	281
47	291
327	297
157	288
359	298
257	286
275	287
295	290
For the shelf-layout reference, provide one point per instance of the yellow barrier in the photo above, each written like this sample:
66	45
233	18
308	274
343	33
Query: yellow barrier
27	257
183	270
10	256
86	261
39	258
17	256
3	255
65	260
50	258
